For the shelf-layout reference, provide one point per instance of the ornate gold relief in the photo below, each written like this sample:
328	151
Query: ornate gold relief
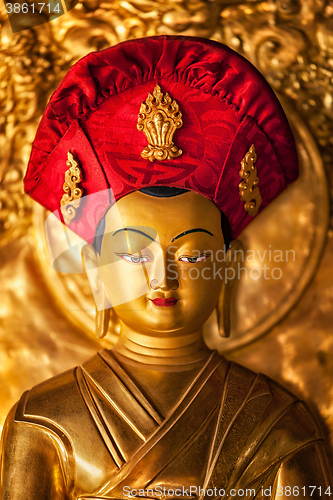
159	117
248	188
71	200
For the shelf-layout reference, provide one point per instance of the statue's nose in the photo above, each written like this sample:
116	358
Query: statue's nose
163	275
165	285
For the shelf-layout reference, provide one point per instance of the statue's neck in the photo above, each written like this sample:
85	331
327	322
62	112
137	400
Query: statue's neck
151	350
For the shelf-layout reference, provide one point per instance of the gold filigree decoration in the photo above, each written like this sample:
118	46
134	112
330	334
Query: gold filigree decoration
71	200
248	188
159	117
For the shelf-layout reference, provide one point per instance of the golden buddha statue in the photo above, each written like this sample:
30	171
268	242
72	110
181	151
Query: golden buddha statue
160	415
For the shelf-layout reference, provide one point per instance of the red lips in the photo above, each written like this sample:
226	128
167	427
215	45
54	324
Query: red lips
164	302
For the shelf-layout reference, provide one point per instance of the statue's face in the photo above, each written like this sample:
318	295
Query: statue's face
158	262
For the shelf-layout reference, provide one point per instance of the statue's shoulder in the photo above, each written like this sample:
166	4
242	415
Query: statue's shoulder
260	396
58	419
264	428
55	401
248	380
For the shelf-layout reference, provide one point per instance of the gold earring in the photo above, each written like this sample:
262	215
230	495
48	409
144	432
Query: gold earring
235	255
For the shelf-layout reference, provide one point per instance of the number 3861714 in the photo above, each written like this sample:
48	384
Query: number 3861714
16	8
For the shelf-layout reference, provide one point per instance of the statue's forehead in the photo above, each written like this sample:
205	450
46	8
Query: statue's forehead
165	215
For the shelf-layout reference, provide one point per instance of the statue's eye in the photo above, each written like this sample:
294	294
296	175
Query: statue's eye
134	259
193	260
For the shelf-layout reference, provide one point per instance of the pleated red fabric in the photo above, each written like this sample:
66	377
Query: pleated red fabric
226	105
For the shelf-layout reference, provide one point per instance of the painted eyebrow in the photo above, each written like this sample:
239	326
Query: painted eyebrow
197	230
134	231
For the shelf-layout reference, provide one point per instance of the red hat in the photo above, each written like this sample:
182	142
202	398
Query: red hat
219	107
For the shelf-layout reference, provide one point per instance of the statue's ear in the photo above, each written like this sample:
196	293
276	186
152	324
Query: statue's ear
106	318
234	256
89	257
90	260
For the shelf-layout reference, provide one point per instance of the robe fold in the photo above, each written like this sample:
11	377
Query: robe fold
90	433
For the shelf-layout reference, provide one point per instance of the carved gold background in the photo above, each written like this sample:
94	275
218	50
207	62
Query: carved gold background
46	322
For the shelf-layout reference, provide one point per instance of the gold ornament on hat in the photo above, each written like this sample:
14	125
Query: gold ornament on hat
248	188
159	118
71	200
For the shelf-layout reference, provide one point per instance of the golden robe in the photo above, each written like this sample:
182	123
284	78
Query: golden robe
91	433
